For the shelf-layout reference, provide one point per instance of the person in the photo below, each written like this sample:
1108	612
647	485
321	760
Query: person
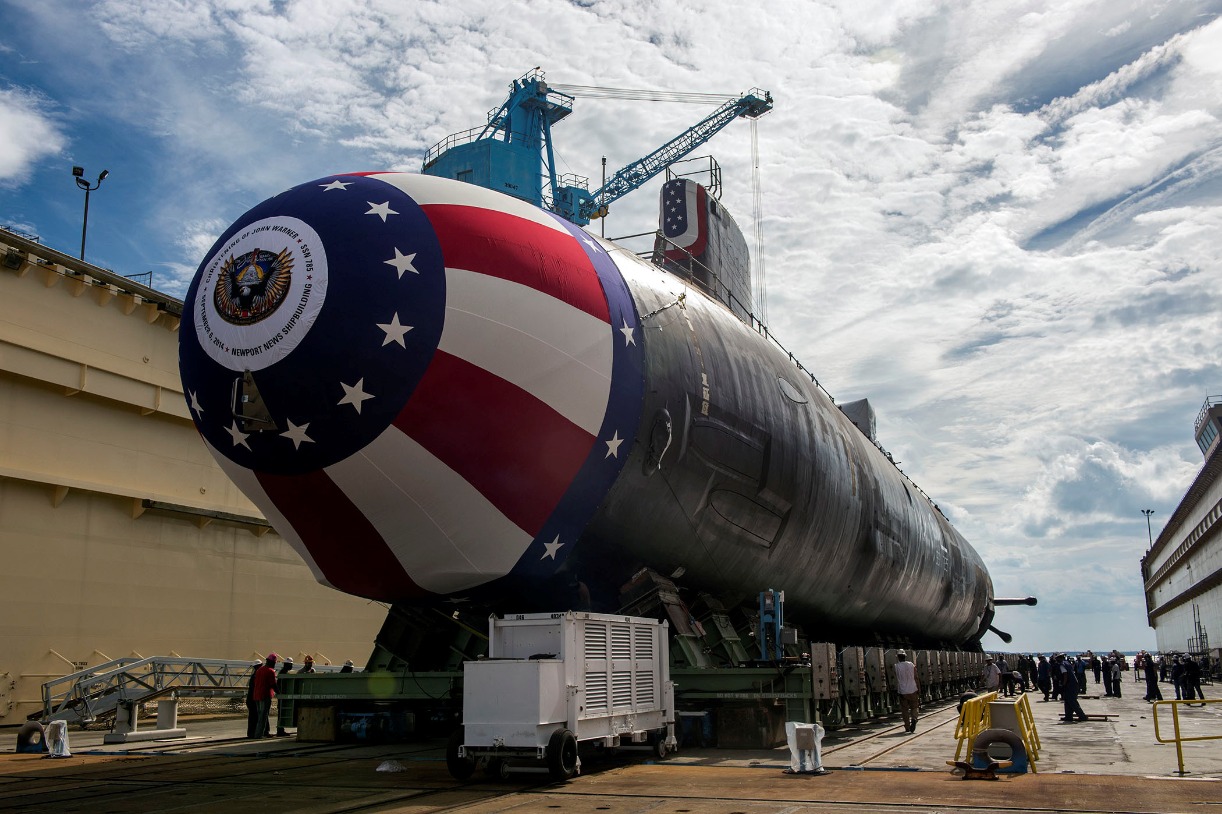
1153	693
347	668
1069	690
1114	665
991	675
908	689
308	666
1122	661
286	667
1080	664
1096	665
252	708
263	692
1007	679
1192	679
1177	677
1043	675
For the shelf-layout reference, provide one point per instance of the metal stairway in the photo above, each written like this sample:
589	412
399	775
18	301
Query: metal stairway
85	696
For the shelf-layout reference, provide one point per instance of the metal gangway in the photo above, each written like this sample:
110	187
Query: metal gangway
85	696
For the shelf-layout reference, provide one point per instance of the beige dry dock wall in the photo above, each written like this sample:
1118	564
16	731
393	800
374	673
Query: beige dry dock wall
119	535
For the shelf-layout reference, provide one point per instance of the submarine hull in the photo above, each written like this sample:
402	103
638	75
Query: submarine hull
436	392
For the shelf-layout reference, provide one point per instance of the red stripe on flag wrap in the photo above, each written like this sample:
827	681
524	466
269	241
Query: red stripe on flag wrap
345	547
512	248
516	450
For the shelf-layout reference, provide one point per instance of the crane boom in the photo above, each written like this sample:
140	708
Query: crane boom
580	206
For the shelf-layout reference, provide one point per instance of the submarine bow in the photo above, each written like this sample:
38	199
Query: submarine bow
446	369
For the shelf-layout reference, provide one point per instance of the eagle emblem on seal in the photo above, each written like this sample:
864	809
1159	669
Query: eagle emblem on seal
252	285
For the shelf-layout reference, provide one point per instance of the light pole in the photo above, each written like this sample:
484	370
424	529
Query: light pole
1149	533
79	174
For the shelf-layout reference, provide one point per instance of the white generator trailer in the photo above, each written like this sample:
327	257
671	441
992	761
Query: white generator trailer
553	680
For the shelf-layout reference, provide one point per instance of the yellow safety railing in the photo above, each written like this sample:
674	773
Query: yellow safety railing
1027	730
974	718
1179	739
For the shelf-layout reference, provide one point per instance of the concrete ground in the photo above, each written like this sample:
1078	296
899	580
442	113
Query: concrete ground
1100	765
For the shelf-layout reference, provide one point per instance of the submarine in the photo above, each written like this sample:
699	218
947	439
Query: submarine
441	394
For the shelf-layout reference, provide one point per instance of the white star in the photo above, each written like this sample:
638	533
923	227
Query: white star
613	445
354	394
552	548
629	337
394	331
402	262
589	241
297	434
337	184
381	210
239	437
195	405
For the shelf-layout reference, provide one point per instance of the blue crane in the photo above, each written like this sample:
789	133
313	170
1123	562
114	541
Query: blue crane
511	152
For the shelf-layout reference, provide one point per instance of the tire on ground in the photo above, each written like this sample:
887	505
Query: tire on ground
562	761
1018	750
31	738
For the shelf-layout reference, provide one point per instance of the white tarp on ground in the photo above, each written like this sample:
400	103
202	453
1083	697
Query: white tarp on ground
805	747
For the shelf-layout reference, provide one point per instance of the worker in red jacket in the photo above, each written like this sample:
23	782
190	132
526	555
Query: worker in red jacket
263	692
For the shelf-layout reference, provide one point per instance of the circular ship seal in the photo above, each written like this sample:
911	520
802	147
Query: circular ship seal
260	293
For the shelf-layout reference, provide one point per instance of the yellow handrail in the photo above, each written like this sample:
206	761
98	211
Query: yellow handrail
974	718
1179	739
1027	730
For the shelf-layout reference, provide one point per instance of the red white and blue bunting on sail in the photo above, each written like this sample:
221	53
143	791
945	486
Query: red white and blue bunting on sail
684	218
455	376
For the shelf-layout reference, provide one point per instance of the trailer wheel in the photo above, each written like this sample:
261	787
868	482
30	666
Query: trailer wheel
497	769
461	768
658	741
561	753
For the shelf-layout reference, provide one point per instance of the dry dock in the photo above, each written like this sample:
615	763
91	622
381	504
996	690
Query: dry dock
1112	765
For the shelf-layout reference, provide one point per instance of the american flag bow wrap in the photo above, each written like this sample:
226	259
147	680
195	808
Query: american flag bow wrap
454	377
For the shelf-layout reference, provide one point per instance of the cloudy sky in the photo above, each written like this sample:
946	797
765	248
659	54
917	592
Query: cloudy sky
997	220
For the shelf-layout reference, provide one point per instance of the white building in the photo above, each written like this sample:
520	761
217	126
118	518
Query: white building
1182	572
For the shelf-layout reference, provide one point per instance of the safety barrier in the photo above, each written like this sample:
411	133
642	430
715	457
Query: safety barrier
1027	730
1179	739
974	718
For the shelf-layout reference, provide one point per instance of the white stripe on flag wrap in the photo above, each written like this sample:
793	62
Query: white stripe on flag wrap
427	190
432	519
246	481
559	354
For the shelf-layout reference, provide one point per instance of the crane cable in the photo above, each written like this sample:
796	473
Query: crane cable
640	95
761	285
